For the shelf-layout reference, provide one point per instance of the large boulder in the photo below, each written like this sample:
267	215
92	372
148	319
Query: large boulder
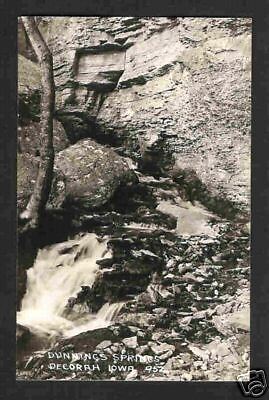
183	96
87	174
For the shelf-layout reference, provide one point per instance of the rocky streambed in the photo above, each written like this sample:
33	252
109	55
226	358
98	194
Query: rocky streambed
181	274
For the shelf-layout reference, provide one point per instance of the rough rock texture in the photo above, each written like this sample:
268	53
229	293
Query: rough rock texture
27	168
191	322
24	46
87	175
183	96
28	75
29	139
29	111
28	90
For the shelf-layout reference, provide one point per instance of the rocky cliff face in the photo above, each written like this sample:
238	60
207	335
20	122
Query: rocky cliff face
172	93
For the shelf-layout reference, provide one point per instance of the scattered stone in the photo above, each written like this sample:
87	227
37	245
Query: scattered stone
186	376
132	375
104	344
204	355
130	342
142	349
160	310
240	320
144	253
166	355
156	336
162	348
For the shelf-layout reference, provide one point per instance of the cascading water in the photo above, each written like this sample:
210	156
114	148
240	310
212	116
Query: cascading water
57	275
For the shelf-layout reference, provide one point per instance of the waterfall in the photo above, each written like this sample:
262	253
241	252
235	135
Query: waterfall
58	274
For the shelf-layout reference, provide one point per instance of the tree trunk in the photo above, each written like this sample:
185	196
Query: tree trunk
40	195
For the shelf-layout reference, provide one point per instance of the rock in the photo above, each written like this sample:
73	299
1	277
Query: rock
169	276
29	88
109	351
160	311
204	355
88	341
29	76
186	320
192	278
116	347
141	319
23	334
186	376
170	263
87	175
104	344
29	140
141	334
134	329
145	298
183	360
105	262
145	253
34	360
157	291
27	169
186	358
162	348
240	320
166	355
222	349
130	342
132	375
156	336
223	309
24	47
142	349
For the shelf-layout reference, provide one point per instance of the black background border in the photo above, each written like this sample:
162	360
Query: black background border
9	11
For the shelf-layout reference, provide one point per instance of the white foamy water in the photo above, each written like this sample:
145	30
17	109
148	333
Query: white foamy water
57	275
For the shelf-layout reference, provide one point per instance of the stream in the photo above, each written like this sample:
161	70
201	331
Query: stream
140	265
58	274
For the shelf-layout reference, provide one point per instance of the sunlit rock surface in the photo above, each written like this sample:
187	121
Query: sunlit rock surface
87	175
